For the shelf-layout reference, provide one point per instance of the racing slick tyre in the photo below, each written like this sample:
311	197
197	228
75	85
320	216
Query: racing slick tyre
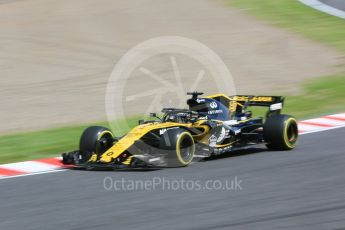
281	132
179	146
96	139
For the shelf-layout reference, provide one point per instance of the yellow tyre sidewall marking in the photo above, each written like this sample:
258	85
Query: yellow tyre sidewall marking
286	138
102	134
178	150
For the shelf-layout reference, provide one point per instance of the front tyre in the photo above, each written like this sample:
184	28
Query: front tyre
281	132
96	139
179	146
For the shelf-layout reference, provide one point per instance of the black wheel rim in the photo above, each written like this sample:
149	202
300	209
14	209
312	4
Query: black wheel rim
292	133
186	149
104	143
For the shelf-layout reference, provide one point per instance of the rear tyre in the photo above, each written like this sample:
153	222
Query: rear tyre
281	132
179	146
95	139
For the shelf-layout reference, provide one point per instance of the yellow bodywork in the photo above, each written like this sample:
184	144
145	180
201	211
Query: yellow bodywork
238	100
139	131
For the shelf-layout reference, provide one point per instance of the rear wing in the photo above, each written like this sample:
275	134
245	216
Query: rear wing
238	103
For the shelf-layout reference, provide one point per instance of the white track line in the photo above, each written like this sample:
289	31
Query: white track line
51	165
30	166
324	8
30	174
321	130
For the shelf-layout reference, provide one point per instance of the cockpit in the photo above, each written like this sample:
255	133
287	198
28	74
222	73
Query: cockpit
209	107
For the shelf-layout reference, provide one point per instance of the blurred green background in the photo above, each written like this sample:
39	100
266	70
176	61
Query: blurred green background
325	95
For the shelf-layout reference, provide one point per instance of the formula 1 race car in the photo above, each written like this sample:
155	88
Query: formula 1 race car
213	125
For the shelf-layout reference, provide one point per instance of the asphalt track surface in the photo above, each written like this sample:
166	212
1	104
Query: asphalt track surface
338	4
300	189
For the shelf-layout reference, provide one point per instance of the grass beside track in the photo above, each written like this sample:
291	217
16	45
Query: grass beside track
322	96
326	94
297	17
46	143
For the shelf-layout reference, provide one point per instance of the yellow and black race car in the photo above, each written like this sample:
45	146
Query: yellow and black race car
213	125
